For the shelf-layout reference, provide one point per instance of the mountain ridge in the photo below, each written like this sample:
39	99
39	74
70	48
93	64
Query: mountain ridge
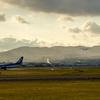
55	54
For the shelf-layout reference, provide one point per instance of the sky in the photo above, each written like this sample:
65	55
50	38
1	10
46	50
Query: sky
40	23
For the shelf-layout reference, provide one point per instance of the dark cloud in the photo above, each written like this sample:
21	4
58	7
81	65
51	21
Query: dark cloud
69	7
19	19
2	17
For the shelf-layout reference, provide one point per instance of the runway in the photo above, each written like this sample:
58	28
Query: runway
45	77
48	77
31	68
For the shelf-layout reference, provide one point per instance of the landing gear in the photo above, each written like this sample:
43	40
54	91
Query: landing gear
5	68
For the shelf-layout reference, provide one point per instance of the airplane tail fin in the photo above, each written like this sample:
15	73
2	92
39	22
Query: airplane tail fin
20	61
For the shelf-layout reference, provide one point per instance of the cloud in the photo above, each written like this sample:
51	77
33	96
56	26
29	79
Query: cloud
2	17
9	43
91	27
33	16
65	18
73	30
68	7
62	26
74	37
19	19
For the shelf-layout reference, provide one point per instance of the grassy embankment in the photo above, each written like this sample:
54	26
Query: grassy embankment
68	71
50	90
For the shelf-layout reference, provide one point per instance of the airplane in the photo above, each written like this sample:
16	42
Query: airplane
18	63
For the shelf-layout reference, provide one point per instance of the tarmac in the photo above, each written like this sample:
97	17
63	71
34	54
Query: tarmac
48	77
45	77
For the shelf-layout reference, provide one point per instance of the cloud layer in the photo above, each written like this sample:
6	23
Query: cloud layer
10	43
69	7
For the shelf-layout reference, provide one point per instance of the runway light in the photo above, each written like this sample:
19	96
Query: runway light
52	69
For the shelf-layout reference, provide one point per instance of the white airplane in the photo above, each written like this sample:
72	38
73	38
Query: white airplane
5	66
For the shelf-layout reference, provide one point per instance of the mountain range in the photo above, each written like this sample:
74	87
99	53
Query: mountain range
54	54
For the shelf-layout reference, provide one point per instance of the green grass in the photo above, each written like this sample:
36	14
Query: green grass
68	71
50	90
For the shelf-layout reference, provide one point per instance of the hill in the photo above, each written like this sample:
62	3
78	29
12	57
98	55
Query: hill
54	54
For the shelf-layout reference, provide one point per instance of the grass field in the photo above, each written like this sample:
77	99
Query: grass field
50	90
67	71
